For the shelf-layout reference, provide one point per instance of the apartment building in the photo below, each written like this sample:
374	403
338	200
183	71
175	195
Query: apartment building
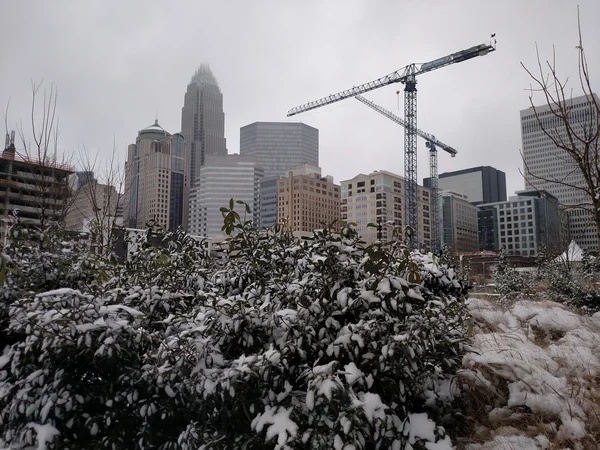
523	225
544	162
378	197
35	192
308	201
458	223
155	179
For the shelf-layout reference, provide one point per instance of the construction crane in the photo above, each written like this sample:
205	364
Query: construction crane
407	76
432	144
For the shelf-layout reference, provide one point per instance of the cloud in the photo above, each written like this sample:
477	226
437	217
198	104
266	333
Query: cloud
117	64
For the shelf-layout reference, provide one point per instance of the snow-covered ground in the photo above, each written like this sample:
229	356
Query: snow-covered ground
534	382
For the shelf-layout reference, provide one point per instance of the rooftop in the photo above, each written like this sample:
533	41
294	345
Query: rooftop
204	76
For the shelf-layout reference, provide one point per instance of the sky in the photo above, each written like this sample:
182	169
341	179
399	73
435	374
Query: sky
119	64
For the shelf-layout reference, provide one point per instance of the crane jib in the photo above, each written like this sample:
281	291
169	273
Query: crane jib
478	50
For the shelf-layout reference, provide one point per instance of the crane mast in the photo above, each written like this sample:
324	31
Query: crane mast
407	76
434	209
431	143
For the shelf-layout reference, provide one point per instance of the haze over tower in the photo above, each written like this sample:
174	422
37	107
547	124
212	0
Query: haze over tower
202	123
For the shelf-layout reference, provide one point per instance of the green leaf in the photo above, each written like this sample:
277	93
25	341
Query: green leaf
231	203
470	328
223	209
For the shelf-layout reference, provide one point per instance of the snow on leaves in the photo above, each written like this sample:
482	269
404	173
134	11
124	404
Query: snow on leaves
276	344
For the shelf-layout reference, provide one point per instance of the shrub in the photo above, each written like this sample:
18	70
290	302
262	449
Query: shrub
570	286
282	343
509	282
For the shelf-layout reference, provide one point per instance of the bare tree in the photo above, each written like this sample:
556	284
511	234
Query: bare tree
579	141
40	179
97	201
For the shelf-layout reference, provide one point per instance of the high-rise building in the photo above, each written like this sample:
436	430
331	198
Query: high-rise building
523	225
308	201
378	198
221	178
545	162
482	184
202	125
458	223
277	146
155	179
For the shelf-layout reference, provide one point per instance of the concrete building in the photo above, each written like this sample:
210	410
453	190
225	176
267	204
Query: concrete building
308	201
91	202
379	197
482	184
277	146
155	179
220	179
524	224
267	216
33	192
202	125
458	222
542	158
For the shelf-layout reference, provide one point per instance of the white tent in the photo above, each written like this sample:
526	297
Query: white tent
572	254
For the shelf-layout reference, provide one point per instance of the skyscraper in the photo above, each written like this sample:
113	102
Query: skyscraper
155	179
545	162
277	146
202	125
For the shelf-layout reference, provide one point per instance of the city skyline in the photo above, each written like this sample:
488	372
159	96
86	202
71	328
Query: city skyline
262	77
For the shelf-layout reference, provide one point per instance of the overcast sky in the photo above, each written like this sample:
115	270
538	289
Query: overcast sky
117	63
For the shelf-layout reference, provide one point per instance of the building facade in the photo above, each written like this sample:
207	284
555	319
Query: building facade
92	202
33	192
220	179
308	201
155	179
483	184
378	198
544	162
458	223
267	216
488	227
524	224
277	146
202	125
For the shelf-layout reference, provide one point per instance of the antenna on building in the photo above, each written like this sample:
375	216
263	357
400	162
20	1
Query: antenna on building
12	137
7	141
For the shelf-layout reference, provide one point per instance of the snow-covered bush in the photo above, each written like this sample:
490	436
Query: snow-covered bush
570	286
509	282
281	344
